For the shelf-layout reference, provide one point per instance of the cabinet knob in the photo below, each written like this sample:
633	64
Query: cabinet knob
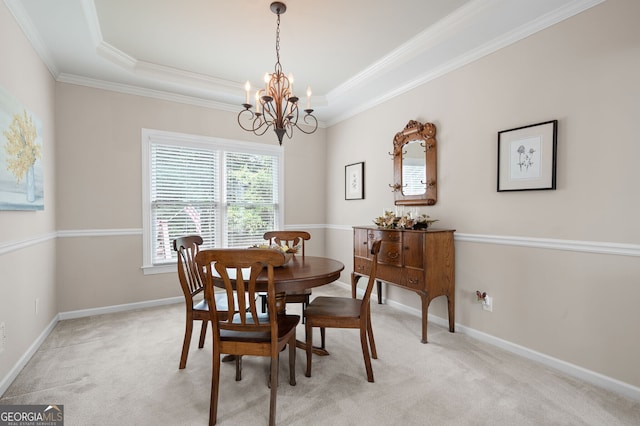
392	254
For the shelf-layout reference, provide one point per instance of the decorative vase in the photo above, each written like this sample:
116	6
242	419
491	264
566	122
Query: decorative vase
31	184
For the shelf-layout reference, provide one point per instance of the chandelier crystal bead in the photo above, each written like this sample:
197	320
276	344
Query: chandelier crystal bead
276	105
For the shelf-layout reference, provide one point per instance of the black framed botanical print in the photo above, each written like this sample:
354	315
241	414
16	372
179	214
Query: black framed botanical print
527	157
354	181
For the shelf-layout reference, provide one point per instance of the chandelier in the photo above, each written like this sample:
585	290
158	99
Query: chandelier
276	104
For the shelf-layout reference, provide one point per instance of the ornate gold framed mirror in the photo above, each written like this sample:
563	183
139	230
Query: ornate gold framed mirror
414	165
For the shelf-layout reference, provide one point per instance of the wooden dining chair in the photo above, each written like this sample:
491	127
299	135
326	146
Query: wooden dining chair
247	332
197	309
291	239
345	312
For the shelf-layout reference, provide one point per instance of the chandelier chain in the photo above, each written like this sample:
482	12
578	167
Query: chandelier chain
278	43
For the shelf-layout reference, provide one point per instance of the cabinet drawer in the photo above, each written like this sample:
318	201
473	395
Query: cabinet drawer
390	253
361	266
389	273
413	278
386	236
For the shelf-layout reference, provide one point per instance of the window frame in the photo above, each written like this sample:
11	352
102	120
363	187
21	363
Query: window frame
151	136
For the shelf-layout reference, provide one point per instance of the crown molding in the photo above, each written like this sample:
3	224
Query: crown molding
427	44
32	34
452	39
149	93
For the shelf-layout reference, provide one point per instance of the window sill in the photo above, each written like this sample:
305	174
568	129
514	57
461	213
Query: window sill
159	269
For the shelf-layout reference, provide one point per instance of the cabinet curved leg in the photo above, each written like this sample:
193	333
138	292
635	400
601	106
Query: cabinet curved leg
451	307
425	309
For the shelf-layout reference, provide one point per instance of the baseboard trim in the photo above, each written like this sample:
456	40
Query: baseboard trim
573	370
119	308
17	368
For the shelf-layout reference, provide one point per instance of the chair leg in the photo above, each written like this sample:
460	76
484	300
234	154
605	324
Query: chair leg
238	367
215	385
186	343
203	333
292	361
372	343
274	390
322	337
365	353
308	343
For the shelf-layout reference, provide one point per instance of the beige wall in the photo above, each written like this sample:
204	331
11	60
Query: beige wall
100	140
99	164
574	306
27	239
578	307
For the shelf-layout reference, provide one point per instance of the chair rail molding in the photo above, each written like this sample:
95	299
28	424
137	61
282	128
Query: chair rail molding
598	247
11	246
621	249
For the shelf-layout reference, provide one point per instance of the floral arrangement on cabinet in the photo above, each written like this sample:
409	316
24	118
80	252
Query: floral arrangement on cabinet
391	220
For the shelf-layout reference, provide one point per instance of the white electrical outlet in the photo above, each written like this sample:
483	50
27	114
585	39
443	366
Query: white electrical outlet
487	304
3	337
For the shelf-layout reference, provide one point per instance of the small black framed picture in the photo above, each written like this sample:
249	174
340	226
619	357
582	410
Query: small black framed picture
527	157
354	181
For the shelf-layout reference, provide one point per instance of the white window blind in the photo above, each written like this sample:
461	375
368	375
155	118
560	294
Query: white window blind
184	196
228	193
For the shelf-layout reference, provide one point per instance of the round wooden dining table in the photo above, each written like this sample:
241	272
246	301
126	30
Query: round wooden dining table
300	273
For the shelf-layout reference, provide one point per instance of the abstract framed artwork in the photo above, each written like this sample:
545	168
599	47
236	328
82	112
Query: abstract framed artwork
21	175
354	181
527	157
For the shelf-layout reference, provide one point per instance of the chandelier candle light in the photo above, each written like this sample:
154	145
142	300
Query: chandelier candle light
276	104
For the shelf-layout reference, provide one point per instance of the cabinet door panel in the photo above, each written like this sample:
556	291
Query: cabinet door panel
413	249
360	243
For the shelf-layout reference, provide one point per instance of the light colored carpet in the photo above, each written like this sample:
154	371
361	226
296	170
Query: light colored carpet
122	369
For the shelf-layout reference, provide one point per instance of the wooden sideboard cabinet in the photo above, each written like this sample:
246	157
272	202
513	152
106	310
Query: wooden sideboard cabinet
422	261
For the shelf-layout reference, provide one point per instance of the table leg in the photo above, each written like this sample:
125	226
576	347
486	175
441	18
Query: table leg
281	307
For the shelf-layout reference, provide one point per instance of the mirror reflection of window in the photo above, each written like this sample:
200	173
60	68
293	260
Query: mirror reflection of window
414	169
